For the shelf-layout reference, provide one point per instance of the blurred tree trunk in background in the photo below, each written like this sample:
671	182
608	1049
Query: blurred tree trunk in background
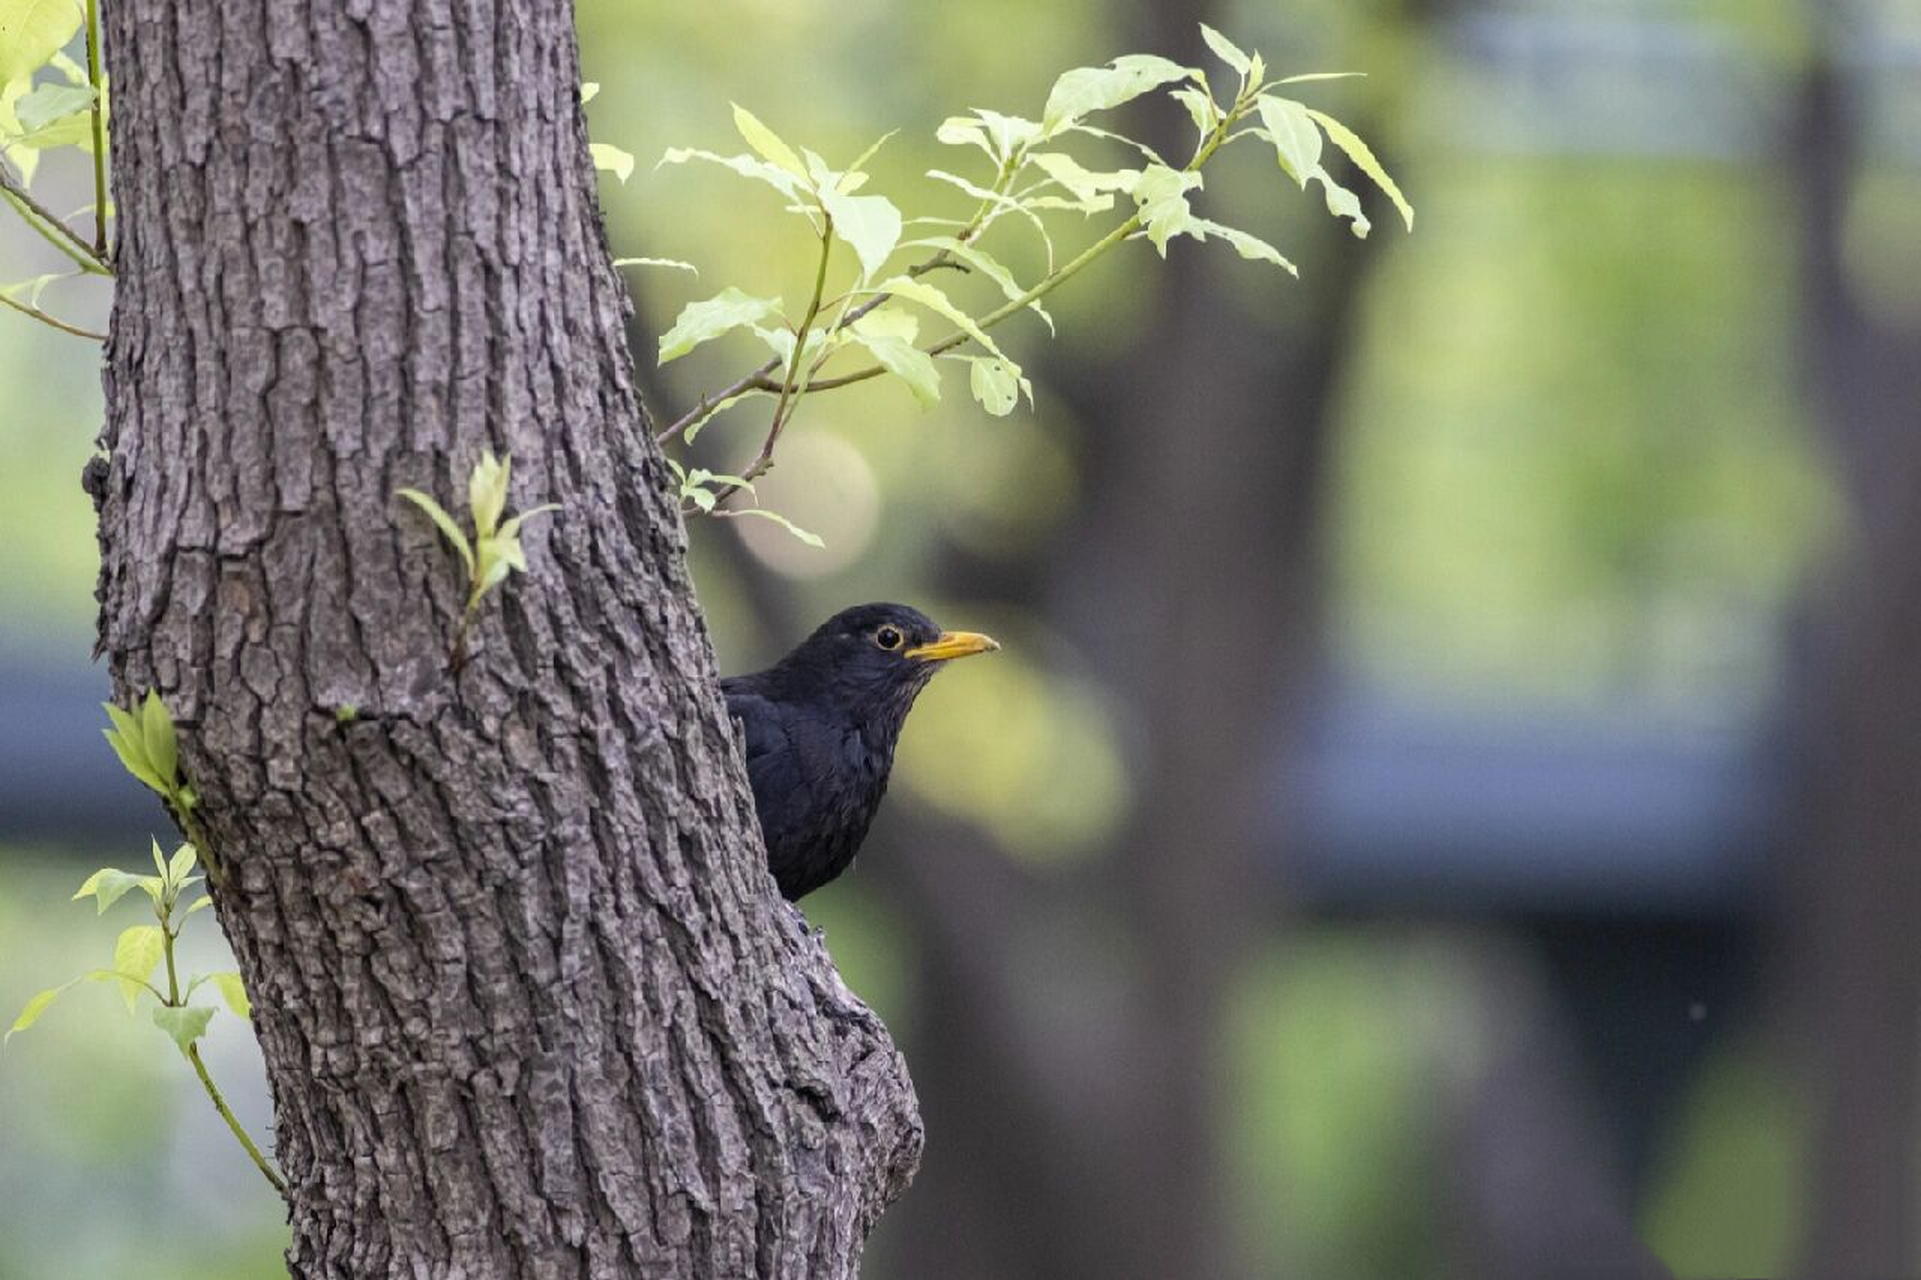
1087	1137
1857	883
527	1001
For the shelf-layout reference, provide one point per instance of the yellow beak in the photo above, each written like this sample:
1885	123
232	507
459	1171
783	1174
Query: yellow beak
954	644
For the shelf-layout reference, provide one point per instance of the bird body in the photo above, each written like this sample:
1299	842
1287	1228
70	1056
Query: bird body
820	727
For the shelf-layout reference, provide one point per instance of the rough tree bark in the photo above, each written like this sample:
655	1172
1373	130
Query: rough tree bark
528	1001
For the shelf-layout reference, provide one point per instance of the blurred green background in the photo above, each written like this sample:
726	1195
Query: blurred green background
1398	837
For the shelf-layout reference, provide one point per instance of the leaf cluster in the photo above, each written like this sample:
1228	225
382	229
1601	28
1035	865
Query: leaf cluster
494	550
1037	171
141	949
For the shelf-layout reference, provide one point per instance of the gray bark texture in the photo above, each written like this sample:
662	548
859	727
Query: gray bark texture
529	1003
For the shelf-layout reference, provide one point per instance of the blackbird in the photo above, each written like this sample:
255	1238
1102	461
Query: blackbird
820	727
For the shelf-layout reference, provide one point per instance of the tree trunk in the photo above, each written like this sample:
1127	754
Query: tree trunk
1856	886
528	1002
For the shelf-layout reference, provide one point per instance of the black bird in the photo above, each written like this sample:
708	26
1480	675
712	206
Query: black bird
821	725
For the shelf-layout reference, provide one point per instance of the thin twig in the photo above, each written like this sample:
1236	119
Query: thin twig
267	1171
192	1052
42	220
55	321
99	133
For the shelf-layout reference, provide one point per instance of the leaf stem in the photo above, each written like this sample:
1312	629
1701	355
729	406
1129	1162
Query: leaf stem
54	321
51	228
192	1052
267	1171
99	132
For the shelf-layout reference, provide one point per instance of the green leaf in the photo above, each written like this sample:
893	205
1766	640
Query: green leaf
32	31
811	539
448	528
1343	203
1224	49
1313	76
1364	160
589	90
934	300
511	529
487	491
869	224
1161	194
135	954
995	384
860	161
157	738
50	102
901	357
704	321
766	144
746	166
1087	89
1084	184
35	1007
234	994
612	159
183	1024
675	263
1250	247
181	865
106	887
989	266
1296	139
199	904
965	131
1009	134
1200	107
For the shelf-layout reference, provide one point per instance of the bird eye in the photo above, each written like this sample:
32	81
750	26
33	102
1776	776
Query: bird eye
887	638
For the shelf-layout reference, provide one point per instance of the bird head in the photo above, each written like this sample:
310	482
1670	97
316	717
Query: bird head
876	658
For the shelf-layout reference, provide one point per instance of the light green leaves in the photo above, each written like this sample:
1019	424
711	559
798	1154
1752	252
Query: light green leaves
870	225
1364	160
1224	49
611	159
1161	195
1297	143
706	320
32	31
449	528
109	884
1296	132
183	1024
1089	89
996	384
1251	247
674	263
234	993
495	549
136	954
37	1006
48	103
889	338
147	747
766	144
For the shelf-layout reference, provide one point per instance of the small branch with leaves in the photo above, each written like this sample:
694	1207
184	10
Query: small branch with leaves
494	551
1034	178
142	949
